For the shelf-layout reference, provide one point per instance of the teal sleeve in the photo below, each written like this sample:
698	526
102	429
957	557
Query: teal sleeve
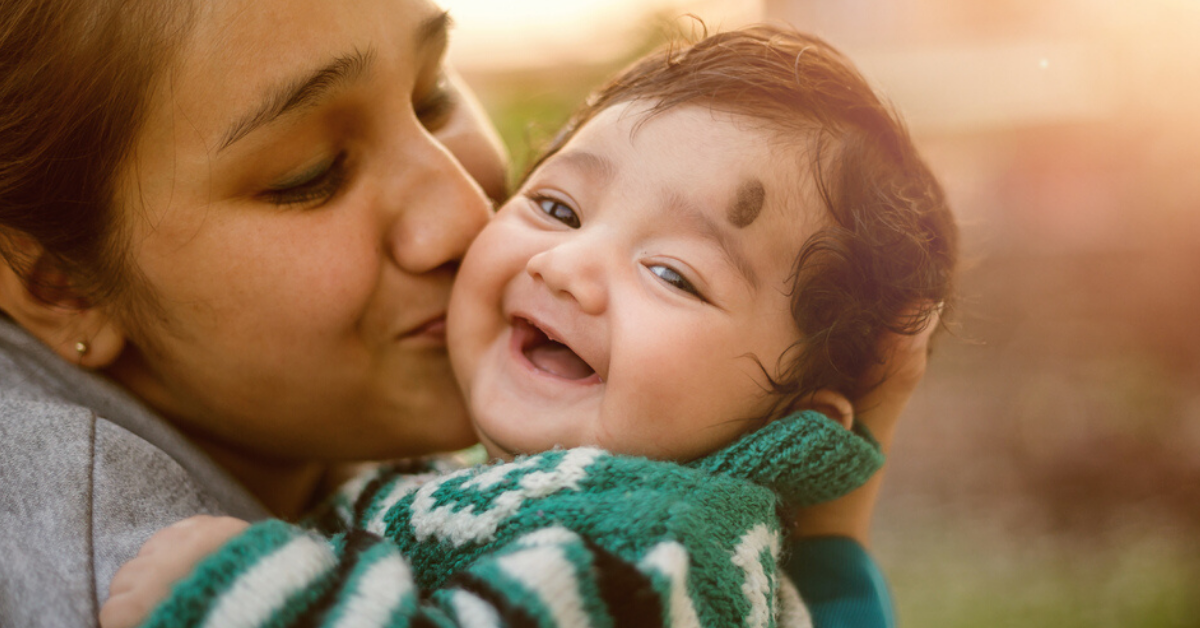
840	583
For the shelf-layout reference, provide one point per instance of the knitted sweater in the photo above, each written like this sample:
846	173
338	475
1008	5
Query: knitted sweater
573	537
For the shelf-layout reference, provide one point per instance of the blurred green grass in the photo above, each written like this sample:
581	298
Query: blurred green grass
952	568
527	121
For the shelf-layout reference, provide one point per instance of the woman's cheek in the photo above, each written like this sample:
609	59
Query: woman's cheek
327	274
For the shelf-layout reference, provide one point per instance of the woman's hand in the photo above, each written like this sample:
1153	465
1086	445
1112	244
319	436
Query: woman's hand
165	559
879	411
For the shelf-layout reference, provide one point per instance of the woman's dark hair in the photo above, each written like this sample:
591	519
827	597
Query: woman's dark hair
75	78
885	259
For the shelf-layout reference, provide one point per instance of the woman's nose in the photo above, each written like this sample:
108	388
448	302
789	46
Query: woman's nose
573	271
472	139
436	210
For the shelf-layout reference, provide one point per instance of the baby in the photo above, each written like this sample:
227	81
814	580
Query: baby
660	335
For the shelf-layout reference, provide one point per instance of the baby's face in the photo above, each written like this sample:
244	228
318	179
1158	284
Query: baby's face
621	297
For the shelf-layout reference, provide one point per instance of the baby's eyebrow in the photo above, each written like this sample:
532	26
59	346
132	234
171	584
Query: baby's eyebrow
591	164
748	203
682	207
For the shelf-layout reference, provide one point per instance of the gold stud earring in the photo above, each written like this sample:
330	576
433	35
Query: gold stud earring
81	348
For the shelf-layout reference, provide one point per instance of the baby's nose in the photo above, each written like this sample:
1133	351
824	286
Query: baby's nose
575	272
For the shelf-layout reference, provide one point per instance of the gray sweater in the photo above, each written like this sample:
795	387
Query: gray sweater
87	474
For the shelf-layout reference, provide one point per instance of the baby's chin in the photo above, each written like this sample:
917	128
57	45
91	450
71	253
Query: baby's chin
495	451
508	445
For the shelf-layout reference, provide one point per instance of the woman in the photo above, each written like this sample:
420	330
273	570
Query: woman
230	229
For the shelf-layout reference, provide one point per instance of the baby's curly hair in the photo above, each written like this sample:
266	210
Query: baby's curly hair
884	260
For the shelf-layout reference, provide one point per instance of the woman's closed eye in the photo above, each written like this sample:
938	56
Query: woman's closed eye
312	188
673	278
557	210
434	108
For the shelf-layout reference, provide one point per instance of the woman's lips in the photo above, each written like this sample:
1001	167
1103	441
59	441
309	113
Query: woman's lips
433	329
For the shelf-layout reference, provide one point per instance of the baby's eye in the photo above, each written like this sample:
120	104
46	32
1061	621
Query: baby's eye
559	211
673	278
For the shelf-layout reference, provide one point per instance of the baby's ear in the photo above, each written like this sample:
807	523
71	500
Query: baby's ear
832	404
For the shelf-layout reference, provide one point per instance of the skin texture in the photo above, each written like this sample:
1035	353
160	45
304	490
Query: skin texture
284	314
620	247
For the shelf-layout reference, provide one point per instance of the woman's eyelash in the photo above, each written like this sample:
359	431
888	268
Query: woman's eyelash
434	109
314	187
557	210
674	278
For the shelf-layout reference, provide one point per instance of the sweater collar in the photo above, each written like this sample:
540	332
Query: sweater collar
805	458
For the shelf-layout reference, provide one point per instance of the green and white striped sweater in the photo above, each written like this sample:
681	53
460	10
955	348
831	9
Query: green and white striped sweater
574	538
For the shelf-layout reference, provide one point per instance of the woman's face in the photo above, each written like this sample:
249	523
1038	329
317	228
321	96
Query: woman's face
298	201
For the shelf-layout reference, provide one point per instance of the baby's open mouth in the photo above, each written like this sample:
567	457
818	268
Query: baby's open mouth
549	355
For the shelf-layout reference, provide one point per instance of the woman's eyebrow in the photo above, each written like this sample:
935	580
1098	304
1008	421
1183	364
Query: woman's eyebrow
302	92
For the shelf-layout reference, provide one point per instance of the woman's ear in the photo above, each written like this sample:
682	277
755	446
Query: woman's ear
44	303
832	404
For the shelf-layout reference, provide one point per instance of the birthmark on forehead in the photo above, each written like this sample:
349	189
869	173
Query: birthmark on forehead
748	204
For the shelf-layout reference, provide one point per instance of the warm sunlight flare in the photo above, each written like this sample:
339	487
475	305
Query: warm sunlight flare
533	33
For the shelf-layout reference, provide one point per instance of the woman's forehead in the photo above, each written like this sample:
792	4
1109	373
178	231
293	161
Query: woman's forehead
243	53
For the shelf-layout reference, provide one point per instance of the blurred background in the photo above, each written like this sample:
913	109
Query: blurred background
1048	471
